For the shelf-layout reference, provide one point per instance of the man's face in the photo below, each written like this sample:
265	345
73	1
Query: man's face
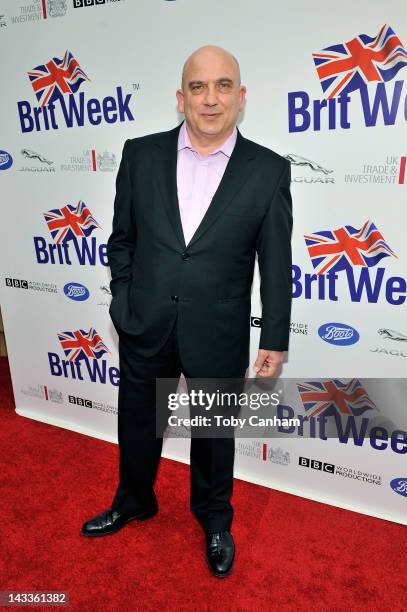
211	97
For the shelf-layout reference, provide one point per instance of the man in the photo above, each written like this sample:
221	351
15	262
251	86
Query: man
192	208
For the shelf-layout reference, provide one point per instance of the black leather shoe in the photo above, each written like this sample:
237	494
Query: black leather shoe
220	553
110	521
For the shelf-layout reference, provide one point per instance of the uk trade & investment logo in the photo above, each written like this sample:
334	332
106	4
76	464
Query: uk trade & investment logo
352	252
37	10
347	410
339	334
70	226
339	470
387	334
6	161
388	171
365	66
56	85
318	173
399	485
262	451
83	348
91	161
45	393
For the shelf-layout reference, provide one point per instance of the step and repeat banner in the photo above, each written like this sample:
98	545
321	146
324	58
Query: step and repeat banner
326	88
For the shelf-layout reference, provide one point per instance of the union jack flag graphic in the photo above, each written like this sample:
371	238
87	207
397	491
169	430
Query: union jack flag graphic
81	344
345	247
70	222
330	397
343	68
50	81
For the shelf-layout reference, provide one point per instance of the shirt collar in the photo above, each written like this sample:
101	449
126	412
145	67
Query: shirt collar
184	142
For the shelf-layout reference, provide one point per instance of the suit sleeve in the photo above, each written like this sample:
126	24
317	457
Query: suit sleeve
122	241
274	257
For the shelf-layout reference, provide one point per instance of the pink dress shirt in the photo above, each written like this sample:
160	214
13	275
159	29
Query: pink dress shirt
198	178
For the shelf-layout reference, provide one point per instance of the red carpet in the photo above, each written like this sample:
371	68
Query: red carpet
292	553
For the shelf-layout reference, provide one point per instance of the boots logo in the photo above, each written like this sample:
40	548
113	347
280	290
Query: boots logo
352	66
6	161
399	485
71	228
339	334
56	85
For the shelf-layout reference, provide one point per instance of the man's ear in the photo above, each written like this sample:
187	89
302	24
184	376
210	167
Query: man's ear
242	96
180	100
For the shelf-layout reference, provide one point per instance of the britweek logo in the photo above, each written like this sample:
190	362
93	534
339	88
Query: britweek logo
70	226
351	252
364	66
56	85
339	334
345	405
83	358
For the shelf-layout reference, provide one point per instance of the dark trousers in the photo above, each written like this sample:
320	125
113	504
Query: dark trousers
211	459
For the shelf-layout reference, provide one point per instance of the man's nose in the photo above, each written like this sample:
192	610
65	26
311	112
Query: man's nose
211	97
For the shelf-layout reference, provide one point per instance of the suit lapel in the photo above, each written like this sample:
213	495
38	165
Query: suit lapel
165	171
238	171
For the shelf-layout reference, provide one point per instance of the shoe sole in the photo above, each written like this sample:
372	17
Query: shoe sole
143	517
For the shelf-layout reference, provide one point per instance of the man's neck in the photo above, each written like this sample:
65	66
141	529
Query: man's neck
206	144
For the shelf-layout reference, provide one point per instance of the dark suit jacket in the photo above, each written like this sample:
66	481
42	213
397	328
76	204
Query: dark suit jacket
155	275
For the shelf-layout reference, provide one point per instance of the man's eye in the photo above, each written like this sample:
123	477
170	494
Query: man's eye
224	86
197	88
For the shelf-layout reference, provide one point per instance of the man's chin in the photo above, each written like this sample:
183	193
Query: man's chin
212	128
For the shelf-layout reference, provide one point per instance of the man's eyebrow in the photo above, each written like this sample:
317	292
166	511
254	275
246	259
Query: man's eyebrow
220	80
192	83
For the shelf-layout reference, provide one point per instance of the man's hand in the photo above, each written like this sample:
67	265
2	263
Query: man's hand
268	363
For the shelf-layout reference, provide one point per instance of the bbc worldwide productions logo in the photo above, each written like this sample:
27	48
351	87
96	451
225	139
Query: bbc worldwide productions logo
87	3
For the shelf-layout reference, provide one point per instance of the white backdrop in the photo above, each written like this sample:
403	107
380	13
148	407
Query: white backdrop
348	168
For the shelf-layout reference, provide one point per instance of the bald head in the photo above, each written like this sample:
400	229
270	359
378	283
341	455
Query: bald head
208	54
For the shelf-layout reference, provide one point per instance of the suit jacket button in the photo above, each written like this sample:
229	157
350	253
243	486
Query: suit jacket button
185	256
175	298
